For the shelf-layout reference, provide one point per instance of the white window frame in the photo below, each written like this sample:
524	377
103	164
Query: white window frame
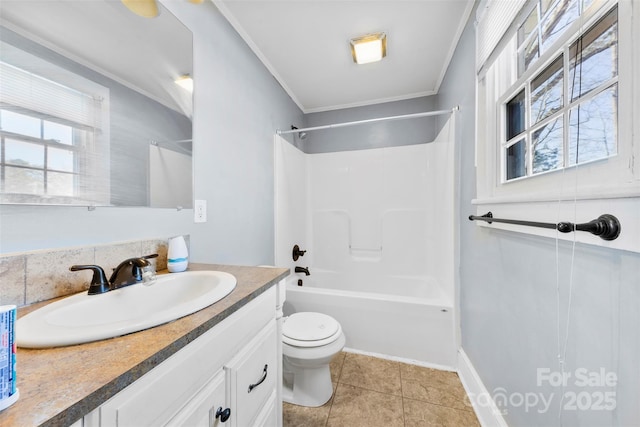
576	194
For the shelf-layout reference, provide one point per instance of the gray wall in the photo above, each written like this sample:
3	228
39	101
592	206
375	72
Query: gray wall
373	135
508	296
238	106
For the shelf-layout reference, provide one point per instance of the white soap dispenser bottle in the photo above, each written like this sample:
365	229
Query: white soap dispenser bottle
177	255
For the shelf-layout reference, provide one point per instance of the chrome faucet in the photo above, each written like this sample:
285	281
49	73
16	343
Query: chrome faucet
304	270
128	272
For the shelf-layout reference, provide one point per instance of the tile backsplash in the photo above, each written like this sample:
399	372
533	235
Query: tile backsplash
29	277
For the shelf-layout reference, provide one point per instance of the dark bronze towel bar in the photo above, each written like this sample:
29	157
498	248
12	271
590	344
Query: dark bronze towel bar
606	226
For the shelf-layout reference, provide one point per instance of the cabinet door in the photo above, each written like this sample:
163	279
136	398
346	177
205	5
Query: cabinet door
268	415
252	376
201	410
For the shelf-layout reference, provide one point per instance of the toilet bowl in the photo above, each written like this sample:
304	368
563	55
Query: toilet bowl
309	342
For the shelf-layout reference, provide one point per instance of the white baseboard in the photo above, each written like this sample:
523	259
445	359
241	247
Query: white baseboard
486	410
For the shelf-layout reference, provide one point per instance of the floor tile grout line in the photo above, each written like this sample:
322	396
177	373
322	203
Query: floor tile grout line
404	419
445	389
442	406
333	400
335	392
429	401
373	390
370	389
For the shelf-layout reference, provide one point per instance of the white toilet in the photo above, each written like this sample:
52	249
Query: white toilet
309	342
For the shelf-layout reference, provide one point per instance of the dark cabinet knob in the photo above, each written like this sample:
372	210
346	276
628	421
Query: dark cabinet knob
223	414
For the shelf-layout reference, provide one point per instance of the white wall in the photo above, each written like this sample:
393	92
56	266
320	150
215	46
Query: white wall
237	108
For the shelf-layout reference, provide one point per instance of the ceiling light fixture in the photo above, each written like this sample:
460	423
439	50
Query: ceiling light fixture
185	81
369	48
146	8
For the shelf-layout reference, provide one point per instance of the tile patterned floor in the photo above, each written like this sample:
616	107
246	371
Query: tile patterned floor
371	392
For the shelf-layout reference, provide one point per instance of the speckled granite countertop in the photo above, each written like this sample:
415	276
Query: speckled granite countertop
60	385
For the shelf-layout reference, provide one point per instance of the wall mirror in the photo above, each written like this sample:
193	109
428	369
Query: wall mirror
90	112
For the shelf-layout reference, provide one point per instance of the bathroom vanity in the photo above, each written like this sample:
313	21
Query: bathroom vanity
220	366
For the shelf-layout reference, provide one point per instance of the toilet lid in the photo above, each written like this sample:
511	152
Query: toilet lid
309	326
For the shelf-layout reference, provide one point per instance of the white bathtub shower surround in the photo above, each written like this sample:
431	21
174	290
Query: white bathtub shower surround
383	285
416	329
291	210
379	228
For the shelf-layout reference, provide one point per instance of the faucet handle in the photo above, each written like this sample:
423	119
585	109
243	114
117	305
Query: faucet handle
149	272
148	275
99	282
297	252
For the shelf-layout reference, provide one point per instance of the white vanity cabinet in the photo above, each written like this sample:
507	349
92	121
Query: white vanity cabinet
233	370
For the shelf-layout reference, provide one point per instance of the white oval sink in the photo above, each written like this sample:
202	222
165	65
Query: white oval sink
83	318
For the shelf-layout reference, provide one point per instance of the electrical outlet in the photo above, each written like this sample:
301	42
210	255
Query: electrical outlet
200	211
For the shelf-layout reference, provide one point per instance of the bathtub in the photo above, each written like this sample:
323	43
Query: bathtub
410	320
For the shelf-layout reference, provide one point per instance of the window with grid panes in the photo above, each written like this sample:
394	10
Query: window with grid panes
566	113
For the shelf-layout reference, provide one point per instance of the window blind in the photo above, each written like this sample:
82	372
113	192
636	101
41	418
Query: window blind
493	18
23	89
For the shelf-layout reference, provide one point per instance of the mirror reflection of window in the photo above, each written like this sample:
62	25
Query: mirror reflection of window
50	133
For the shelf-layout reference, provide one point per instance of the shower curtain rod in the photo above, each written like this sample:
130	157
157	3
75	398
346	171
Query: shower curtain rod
381	119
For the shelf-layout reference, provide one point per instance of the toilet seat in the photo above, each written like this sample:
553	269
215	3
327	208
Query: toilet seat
310	329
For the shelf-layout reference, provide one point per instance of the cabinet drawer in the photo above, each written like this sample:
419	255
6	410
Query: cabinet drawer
251	376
